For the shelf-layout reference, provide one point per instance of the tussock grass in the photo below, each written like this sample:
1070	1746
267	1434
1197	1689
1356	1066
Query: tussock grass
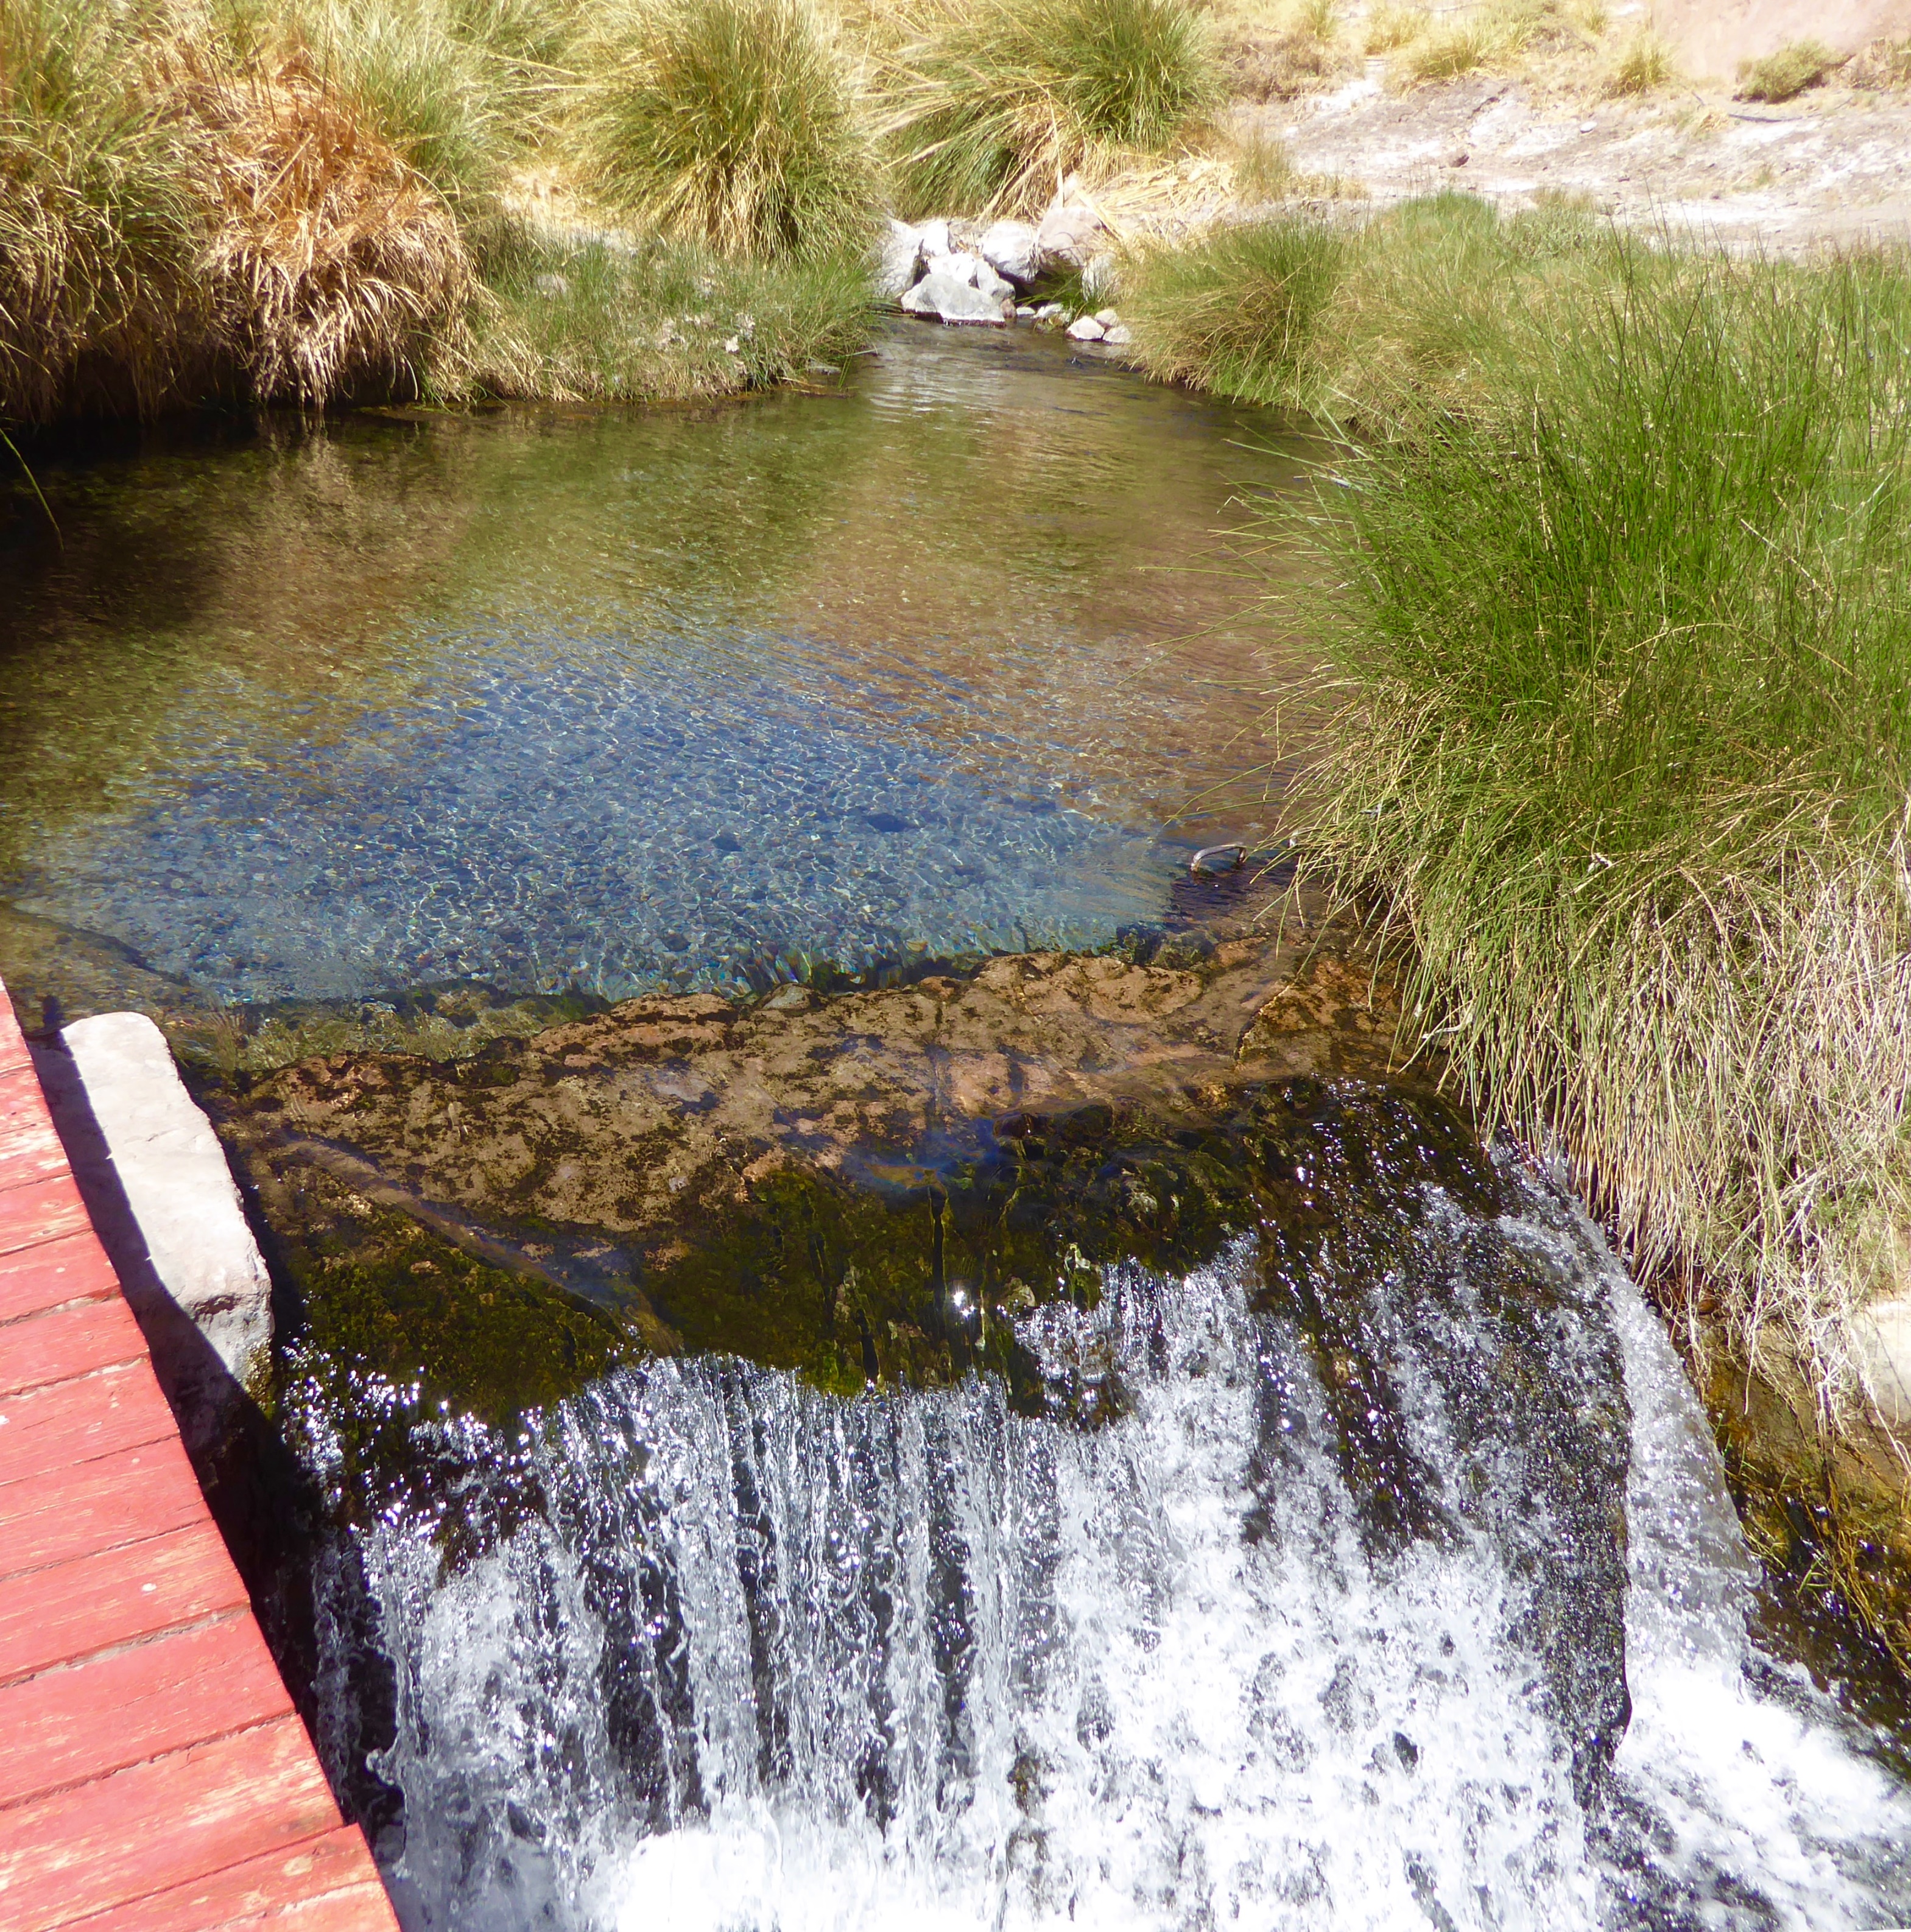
98	221
1388	316
1644	62
1624	737
304	201
1789	71
330	264
1387	28
1239	316
997	101
1881	64
1623	741
733	122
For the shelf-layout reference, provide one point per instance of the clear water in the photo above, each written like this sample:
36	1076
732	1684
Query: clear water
639	699
736	1656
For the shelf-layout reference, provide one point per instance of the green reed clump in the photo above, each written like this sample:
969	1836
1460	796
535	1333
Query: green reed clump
1624	755
98	222
996	102
1239	315
736	123
1350	324
1790	70
595	322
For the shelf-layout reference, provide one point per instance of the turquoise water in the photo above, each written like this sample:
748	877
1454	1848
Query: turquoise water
950	658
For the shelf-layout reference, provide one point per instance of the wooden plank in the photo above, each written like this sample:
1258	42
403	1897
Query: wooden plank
40	1210
329	1885
52	1273
113	1597
119	1499
29	1148
46	1430
160	1826
65	1342
85	1719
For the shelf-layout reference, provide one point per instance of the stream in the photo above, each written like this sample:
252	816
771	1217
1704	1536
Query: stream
1349	1552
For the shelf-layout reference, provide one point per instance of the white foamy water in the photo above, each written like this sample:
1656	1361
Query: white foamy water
740	1656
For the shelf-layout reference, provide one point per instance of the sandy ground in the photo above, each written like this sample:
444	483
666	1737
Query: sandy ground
1830	167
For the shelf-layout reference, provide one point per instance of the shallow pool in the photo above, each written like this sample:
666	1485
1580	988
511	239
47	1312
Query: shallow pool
954	655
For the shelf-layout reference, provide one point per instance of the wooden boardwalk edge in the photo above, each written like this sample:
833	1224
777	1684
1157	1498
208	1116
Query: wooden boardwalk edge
153	1774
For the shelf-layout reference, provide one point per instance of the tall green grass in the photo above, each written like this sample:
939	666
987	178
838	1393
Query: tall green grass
1359	326
998	100
1241	315
1621	647
735	123
98	219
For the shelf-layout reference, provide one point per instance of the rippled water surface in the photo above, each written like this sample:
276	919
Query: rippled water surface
936	662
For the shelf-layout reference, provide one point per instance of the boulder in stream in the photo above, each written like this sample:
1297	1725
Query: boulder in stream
948	298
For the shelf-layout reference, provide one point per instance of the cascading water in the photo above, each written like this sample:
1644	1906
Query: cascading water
1384	1592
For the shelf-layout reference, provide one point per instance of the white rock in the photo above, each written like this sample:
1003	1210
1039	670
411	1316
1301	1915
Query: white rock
932	238
155	1181
1070	234
1012	248
950	300
1085	328
1882	1333
1048	311
1119	336
898	260
957	264
1107	317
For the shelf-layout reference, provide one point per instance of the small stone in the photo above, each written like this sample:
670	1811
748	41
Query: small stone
1119	336
932	238
1085	328
1107	317
1026	311
1049	312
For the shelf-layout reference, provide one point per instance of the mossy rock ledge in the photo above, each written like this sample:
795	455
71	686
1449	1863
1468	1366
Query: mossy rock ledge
864	1187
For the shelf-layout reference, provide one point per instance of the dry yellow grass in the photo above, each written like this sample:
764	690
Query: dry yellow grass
330	262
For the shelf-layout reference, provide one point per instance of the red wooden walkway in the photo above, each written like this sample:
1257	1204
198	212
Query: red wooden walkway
153	1776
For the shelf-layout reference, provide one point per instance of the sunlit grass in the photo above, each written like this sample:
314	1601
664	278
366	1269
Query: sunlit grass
733	122
997	102
1623	739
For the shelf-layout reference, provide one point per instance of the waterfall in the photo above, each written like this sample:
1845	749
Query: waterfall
1418	1603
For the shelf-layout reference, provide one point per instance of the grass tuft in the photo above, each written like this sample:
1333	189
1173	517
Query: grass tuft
732	122
1239	314
1644	62
99	308
999	101
1779	75
1623	741
1881	64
